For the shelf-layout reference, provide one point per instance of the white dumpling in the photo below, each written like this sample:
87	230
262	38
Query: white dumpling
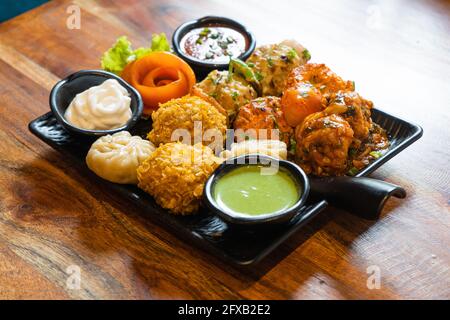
116	157
274	148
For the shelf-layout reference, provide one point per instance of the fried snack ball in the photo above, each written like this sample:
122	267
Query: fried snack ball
258	118
175	174
322	144
273	63
183	114
229	92
354	109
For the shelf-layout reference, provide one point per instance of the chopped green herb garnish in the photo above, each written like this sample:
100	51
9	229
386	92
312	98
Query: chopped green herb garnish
352	152
292	54
223	44
326	123
240	67
259	76
250	64
199	41
214	36
350	111
354	86
306	55
339	99
293	146
205	32
376	154
214	95
234	95
352	171
213	80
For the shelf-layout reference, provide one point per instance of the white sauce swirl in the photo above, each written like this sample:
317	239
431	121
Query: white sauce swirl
102	107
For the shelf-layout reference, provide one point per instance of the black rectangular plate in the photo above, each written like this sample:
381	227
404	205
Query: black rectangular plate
237	245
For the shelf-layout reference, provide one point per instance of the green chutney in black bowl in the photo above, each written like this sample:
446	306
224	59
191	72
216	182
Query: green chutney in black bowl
256	189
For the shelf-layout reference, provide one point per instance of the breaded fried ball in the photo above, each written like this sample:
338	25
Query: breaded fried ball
259	117
175	174
183	114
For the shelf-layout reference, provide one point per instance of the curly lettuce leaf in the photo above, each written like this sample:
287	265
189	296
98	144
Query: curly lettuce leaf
116	58
140	52
160	42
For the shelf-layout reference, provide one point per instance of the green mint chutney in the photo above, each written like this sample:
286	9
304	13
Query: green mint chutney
246	191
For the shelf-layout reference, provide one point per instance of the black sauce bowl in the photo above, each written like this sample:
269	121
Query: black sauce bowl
277	218
200	68
65	91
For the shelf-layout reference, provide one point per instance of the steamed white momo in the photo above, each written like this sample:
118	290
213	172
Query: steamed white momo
116	157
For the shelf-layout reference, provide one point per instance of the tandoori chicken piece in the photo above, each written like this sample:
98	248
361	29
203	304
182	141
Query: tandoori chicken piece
320	76
307	88
258	119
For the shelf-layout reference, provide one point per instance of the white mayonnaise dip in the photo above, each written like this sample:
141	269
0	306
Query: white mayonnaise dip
102	107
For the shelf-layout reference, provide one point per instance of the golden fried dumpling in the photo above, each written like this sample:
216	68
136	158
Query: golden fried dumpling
116	157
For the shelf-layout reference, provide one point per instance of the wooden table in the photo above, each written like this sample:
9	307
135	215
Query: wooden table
53	217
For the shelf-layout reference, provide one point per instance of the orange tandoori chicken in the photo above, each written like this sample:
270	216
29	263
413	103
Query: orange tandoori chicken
262	118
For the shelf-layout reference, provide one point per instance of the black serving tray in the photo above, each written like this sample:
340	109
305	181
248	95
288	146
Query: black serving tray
236	244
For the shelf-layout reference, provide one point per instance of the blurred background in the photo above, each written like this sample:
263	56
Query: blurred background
11	8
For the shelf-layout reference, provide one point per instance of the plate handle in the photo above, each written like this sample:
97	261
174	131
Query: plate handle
363	197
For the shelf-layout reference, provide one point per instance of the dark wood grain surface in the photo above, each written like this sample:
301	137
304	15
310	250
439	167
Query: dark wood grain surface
52	216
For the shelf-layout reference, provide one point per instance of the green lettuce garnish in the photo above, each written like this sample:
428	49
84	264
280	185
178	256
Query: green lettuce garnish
116	58
140	52
160	43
